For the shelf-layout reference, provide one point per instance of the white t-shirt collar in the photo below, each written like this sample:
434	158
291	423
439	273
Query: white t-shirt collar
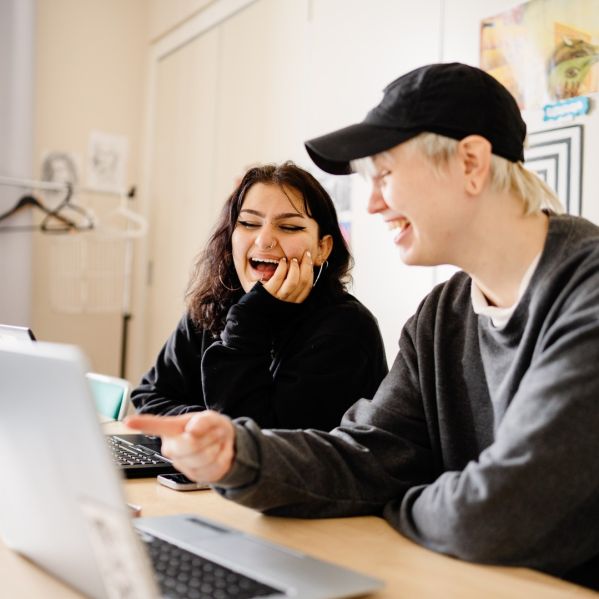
500	316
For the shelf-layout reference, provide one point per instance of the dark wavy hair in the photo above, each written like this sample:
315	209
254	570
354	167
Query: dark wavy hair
214	286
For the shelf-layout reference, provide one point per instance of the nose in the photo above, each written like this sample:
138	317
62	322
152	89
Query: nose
265	240
376	201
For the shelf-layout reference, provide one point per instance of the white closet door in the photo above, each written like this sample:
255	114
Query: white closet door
226	99
181	179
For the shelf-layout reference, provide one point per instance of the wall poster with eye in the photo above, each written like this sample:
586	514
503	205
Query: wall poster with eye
543	51
555	155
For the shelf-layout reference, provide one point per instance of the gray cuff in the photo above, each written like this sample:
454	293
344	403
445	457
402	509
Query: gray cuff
246	465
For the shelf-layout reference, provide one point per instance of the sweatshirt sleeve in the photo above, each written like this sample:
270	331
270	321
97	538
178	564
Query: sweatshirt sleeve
380	450
173	385
329	358
532	496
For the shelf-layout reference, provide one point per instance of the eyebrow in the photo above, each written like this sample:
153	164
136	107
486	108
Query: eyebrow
282	216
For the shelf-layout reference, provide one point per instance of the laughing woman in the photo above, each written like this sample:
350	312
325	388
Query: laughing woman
270	331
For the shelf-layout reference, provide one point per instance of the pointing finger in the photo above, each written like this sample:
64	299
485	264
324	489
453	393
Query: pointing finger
158	425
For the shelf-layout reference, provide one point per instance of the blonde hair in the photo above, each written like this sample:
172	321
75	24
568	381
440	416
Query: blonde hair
505	175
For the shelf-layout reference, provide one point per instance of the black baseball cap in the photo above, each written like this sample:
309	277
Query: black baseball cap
451	99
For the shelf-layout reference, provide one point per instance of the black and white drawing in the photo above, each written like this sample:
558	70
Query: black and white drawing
60	167
107	161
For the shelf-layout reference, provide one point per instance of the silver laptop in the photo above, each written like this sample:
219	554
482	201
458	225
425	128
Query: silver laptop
63	505
10	333
137	455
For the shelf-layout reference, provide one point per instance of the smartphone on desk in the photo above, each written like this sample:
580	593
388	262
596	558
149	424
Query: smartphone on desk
180	482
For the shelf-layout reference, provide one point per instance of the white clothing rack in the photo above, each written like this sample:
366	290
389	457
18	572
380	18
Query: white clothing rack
136	226
55	186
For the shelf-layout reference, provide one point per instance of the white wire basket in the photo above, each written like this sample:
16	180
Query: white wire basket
89	273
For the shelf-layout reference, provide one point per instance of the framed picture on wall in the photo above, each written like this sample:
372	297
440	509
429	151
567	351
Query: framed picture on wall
555	155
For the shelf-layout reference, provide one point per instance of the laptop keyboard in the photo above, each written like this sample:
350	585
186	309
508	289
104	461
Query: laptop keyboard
124	454
182	574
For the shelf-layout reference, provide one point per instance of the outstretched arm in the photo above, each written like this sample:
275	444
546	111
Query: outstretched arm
200	445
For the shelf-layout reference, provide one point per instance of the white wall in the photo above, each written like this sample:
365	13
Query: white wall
17	34
355	50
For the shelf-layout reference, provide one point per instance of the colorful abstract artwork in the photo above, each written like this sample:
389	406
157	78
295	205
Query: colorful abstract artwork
543	51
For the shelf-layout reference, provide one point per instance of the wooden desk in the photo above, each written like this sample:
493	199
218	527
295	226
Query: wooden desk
367	544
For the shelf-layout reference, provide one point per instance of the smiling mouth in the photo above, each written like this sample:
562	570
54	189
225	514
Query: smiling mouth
264	266
397	225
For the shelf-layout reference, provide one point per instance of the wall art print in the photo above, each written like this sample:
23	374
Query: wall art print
555	155
543	51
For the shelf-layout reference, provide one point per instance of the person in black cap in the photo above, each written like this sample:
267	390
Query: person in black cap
482	442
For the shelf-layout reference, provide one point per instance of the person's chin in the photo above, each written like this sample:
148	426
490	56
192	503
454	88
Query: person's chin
248	285
409	257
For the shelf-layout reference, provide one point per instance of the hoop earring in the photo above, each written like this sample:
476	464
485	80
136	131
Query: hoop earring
223	283
324	265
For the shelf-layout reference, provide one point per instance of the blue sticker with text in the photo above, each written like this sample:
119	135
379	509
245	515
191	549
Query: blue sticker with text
566	108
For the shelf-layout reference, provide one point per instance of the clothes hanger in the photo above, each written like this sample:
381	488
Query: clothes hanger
55	223
87	215
122	222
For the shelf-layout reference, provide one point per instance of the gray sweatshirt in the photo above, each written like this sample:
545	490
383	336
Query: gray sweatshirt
481	443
